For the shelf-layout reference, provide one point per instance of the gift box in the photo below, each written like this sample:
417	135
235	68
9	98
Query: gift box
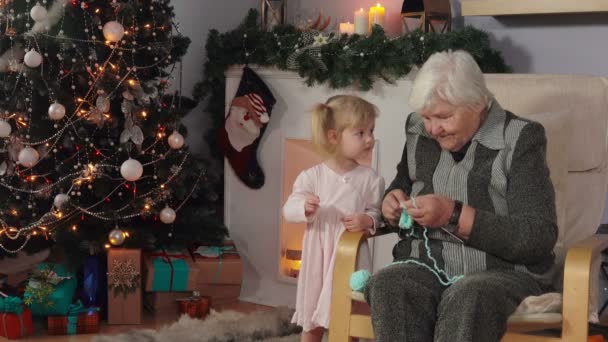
218	265
196	306
163	301
16	325
80	320
124	286
170	272
58	302
94	291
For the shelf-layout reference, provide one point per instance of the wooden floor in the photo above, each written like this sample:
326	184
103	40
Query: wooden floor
150	322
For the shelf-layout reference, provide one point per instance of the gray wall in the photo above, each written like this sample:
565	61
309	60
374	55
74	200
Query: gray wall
195	19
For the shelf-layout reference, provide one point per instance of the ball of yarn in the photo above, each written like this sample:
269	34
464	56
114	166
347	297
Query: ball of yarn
405	221
358	280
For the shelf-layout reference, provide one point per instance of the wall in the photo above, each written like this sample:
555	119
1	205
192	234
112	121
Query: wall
195	18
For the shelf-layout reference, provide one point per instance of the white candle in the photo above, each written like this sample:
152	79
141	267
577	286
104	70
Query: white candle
360	22
347	28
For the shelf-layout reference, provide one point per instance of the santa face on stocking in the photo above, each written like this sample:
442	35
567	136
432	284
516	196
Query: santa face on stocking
247	116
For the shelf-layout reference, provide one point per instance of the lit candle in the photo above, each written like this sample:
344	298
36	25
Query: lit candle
347	28
376	16
360	22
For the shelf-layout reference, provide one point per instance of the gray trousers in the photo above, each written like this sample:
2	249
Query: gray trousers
408	304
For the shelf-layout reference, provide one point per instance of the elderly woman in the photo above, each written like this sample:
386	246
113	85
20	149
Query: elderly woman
474	179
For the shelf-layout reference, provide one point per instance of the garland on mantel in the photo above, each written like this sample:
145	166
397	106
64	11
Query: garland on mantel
338	60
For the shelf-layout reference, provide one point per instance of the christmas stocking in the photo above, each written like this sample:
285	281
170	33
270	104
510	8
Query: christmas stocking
245	124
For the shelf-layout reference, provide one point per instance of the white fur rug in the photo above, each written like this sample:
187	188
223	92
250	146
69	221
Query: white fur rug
226	326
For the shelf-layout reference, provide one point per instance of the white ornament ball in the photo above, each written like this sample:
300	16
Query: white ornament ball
131	170
38	13
175	140
32	59
56	111
116	237
60	200
113	31
167	215
28	157
5	129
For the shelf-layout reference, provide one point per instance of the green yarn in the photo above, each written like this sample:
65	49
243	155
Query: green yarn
405	221
358	280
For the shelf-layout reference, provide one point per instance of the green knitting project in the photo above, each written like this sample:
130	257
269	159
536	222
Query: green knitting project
358	280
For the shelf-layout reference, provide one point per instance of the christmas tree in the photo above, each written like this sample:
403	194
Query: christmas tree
91	142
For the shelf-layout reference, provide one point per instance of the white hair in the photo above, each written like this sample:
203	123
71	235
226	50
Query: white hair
450	76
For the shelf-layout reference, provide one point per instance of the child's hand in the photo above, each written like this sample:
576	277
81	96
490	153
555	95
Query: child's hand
357	222
311	205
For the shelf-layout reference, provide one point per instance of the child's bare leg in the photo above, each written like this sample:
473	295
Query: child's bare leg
314	335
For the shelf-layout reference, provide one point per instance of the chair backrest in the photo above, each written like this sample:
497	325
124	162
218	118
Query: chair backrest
574	111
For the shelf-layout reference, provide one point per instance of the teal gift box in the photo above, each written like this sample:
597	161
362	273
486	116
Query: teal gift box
61	297
168	273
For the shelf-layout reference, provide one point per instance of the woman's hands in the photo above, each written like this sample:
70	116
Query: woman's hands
391	206
432	211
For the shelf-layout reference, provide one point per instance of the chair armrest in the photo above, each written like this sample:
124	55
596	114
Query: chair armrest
383	230
577	273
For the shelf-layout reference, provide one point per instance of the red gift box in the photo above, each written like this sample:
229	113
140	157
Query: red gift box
87	323
15	326
195	307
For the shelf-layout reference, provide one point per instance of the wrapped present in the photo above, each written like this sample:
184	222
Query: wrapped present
50	290
10	304
94	290
196	306
163	301
170	272
79	320
124	286
16	325
218	265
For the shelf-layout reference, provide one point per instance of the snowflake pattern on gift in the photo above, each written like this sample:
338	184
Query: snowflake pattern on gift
123	277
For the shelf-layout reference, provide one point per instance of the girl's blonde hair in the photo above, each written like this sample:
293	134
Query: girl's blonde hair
339	112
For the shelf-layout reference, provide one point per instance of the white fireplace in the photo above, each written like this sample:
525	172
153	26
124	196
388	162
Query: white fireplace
267	245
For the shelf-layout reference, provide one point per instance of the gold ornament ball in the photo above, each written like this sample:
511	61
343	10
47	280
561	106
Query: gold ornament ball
116	237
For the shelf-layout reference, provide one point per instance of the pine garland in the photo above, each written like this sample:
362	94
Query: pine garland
338	60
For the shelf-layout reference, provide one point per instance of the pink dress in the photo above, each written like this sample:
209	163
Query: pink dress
357	191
